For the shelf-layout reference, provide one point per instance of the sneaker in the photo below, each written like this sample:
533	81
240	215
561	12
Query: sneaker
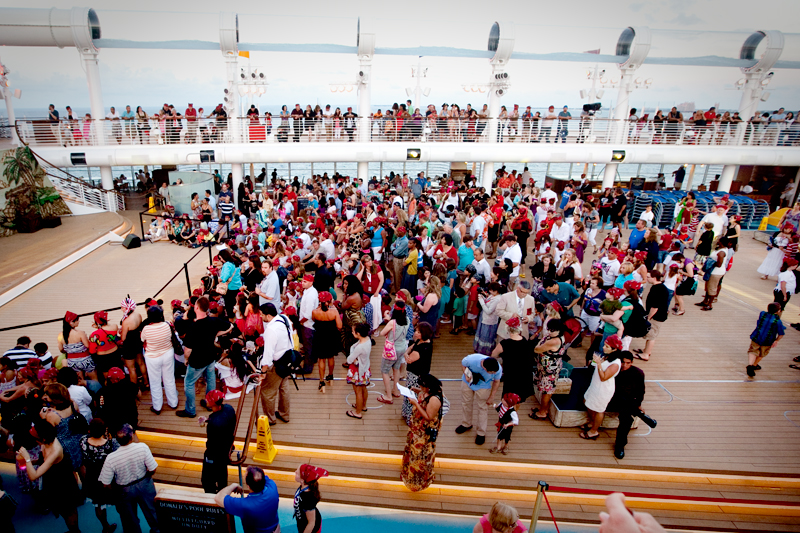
185	414
757	367
619	454
751	371
153	409
463	429
480	439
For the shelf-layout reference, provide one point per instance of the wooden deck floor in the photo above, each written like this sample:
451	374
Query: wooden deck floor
711	417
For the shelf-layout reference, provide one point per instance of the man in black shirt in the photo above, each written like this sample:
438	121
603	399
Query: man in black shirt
627	400
324	275
657	312
350	122
221	426
200	352
117	401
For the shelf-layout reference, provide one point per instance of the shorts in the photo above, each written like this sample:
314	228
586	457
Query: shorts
81	364
107	361
494	233
471	316
387	366
130	353
655	326
760	351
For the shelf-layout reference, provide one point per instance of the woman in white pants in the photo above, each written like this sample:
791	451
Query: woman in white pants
160	359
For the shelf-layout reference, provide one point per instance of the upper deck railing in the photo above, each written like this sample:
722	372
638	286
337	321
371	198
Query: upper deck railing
104	132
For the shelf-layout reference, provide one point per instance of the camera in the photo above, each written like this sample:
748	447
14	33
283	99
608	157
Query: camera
592	108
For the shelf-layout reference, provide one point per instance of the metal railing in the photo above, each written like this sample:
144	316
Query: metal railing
79	191
576	130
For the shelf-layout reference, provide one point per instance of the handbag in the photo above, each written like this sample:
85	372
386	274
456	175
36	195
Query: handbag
389	352
221	289
177	345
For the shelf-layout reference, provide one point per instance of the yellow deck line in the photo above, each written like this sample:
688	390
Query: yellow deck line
555	495
567	469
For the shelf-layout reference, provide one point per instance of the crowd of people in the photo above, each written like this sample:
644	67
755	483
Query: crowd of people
309	272
405	122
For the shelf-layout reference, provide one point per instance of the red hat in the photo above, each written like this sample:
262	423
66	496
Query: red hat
721	206
116	374
616	292
632	285
513	322
365	299
290	311
310	473
325	297
560	245
69	316
640	255
101	317
293	285
197	292
401	230
276	263
510	398
401	296
614	251
615	342
27	373
52	373
359	215
213	306
215	397
295	258
309	278
790	262
557	307
176	304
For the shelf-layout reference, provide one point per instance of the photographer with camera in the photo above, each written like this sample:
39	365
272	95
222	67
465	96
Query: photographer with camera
627	401
277	343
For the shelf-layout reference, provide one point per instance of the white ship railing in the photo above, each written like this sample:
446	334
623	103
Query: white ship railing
88	132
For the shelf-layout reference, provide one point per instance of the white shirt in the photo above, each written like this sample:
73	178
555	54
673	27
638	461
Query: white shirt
327	247
112	116
276	340
271	287
788	277
83	400
550	119
306	241
549	193
526	177
399	199
647	217
476	230
514	253
308	303
610	271
718	221
559	233
483	267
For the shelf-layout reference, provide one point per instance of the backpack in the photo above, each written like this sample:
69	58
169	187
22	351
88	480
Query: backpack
637	325
291	362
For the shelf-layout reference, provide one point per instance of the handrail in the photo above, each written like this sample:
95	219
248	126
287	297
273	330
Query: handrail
253	417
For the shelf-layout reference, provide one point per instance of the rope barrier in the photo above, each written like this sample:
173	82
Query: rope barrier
544	493
106	310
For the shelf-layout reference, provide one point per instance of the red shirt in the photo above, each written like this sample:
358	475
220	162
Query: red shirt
190	114
452	253
710	115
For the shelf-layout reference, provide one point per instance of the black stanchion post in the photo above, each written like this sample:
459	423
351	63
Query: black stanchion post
141	224
188	283
210	258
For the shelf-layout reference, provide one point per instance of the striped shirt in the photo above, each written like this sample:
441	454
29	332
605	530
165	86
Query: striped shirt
157	338
20	355
226	209
128	464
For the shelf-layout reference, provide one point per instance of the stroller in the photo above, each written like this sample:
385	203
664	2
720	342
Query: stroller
573	327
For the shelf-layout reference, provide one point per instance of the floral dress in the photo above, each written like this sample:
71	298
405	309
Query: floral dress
548	367
94	457
419	455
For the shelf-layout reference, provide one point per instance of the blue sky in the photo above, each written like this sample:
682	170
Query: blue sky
681	28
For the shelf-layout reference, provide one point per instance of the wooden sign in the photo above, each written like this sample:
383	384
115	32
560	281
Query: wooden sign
185	511
637	184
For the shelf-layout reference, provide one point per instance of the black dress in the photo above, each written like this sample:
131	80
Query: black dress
517	367
327	340
61	489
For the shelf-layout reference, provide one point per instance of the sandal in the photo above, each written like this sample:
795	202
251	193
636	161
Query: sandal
796	367
382	399
351	414
796	359
585	435
504	451
677	313
637	355
494	450
533	415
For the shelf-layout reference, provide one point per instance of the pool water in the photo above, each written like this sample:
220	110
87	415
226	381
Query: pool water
336	518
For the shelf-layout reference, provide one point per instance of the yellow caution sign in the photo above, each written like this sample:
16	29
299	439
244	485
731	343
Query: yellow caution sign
265	449
151	202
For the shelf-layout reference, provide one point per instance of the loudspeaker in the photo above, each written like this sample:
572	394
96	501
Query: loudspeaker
132	241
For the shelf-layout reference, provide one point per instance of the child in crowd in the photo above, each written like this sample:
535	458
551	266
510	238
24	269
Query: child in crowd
693	224
473	308
508	418
459	309
704	244
611	305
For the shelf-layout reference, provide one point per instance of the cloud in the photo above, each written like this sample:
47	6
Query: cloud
686	20
636	7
